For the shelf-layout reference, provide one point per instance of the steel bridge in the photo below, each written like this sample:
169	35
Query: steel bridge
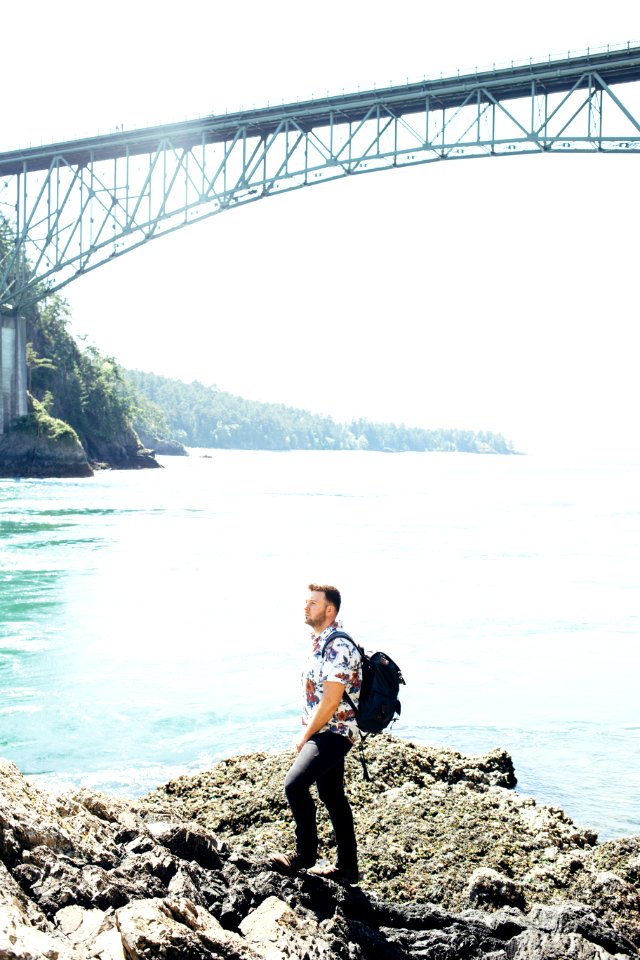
67	208
70	207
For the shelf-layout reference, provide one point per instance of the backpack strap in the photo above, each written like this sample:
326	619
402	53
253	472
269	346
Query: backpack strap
341	635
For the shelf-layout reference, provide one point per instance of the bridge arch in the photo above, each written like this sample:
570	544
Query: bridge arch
68	208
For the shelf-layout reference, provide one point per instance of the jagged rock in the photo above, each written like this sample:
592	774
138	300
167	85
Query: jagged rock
123	452
276	931
163	447
47	448
575	918
176	929
93	932
89	877
41	446
32	819
428	820
191	843
534	945
80	925
488	888
25	933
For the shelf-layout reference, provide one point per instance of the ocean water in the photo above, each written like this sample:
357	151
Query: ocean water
151	622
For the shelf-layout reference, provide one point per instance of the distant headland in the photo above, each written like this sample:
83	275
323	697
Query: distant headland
85	412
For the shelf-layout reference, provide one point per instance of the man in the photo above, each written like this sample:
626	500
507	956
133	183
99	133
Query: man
329	730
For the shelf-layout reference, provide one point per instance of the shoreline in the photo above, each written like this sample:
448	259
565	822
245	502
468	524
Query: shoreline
533	780
448	849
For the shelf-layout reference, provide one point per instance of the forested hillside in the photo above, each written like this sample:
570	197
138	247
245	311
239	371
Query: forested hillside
203	416
75	384
79	386
74	392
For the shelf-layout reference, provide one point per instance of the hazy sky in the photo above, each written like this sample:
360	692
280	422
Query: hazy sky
498	295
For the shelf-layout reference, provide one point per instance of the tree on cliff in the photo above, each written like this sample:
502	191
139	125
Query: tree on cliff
78	387
87	389
35	362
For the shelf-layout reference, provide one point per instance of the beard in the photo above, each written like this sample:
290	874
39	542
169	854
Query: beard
314	622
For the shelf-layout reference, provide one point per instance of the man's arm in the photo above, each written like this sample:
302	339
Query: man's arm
332	692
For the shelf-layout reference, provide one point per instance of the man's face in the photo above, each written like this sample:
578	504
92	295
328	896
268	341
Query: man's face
318	614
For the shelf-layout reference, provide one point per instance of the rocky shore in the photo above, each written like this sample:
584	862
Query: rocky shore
41	446
44	449
454	863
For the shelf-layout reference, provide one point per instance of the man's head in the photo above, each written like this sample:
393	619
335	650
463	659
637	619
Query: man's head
322	607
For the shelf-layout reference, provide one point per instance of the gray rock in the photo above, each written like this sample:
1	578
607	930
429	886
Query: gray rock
488	888
93	932
576	918
163	447
25	933
428	819
89	877
275	931
30	451
176	929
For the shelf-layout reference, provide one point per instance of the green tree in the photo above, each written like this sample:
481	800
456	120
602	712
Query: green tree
35	362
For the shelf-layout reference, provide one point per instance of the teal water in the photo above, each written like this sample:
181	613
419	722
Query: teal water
151	622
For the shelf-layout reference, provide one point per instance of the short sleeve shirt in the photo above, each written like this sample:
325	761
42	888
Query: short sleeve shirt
340	663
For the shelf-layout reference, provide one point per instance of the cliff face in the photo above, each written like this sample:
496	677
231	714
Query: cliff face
122	452
81	388
88	876
165	448
42	448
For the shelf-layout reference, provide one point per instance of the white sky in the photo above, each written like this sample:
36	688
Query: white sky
498	295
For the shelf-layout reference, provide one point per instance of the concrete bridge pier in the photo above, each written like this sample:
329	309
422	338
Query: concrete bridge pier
13	368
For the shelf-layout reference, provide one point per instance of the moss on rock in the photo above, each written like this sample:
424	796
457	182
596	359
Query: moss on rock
39	445
429	820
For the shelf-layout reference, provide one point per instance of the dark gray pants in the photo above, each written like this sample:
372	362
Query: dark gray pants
321	761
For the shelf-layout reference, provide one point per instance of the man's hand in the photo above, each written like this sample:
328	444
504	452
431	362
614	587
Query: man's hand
332	692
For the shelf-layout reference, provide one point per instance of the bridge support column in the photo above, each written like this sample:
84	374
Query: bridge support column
13	369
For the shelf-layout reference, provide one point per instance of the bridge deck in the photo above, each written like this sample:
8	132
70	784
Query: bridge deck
547	77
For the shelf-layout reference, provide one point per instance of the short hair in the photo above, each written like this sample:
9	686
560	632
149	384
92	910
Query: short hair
332	594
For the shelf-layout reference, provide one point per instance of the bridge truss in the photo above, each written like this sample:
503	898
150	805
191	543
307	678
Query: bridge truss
67	208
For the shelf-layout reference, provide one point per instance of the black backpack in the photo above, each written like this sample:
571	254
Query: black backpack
378	705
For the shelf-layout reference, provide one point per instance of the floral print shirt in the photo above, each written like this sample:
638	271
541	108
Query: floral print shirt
341	663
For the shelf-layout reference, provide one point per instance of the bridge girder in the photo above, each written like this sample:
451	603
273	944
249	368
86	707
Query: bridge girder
67	208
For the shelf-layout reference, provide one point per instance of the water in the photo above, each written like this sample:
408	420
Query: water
151	622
